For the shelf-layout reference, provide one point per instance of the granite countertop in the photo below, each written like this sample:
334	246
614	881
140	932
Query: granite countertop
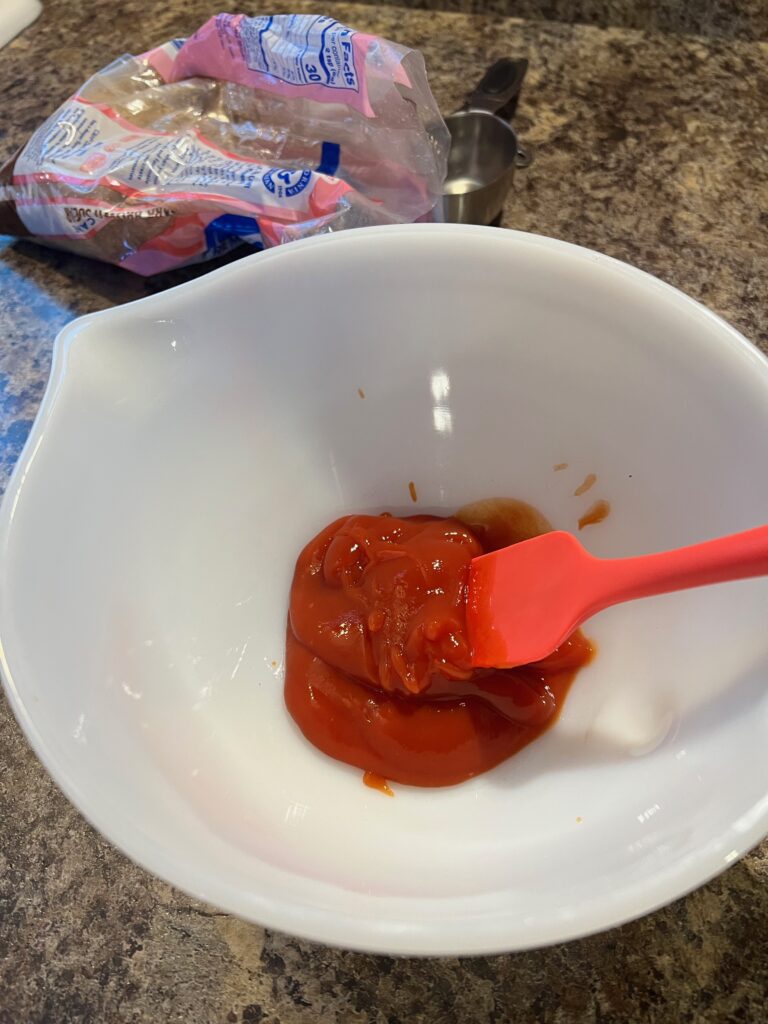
650	147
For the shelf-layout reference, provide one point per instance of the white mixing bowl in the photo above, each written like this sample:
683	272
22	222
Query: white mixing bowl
189	444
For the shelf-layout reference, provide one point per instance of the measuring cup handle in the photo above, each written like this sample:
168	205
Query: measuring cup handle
499	89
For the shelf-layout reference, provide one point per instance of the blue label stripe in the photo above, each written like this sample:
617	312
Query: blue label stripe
230	230
261	42
330	158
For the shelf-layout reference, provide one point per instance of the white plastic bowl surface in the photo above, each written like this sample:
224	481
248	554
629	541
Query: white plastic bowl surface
189	444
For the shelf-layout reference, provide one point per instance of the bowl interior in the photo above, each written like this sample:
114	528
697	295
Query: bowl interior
192	442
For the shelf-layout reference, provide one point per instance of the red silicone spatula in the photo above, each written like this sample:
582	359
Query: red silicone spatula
525	600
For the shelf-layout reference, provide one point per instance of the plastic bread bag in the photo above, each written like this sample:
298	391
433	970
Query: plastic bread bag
258	130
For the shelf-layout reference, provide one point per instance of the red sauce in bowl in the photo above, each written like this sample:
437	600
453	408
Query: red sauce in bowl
378	669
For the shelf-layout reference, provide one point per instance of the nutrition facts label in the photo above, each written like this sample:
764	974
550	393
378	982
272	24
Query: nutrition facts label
307	50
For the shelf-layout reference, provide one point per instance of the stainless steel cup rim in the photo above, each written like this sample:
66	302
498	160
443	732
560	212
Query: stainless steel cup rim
519	159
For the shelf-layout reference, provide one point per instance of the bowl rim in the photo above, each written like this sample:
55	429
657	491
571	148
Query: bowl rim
435	935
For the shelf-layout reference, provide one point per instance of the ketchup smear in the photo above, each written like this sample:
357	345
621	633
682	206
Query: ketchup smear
378	669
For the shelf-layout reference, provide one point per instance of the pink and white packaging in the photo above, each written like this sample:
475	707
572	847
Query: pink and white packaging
257	130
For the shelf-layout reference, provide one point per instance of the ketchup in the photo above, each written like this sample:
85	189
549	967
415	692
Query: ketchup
378	666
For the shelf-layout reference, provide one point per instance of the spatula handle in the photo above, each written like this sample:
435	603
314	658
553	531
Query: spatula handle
736	557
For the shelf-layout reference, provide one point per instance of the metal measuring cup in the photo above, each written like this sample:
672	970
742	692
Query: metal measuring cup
484	148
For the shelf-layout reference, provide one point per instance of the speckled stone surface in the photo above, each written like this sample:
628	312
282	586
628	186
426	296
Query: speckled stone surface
650	147
723	18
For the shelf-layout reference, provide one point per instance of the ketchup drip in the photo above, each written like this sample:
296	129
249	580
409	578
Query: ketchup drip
378	666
